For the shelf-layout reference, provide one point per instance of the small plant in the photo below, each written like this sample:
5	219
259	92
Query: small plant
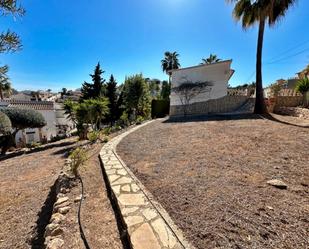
107	130
78	157
125	119
139	120
93	136
105	140
303	87
34	145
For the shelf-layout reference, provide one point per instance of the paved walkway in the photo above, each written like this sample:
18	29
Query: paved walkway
148	224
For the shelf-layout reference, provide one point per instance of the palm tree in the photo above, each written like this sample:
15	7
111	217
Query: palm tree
211	59
262	12
5	85
170	62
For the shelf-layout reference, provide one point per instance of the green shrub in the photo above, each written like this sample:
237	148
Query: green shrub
160	108
34	145
139	120
302	85
107	130
105	140
93	136
5	124
24	118
125	119
78	157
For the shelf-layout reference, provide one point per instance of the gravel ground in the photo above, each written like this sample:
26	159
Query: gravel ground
211	177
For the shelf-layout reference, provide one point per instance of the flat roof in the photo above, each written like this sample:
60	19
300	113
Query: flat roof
202	65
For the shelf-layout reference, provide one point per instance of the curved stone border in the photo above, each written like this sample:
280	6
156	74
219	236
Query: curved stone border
148	225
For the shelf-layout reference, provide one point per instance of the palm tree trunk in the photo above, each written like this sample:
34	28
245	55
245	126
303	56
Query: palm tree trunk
260	106
1	94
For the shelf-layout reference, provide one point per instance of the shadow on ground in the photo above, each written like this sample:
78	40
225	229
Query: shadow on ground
211	117
229	116
43	148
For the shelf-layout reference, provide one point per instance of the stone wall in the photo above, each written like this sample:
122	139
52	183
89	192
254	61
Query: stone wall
220	105
288	101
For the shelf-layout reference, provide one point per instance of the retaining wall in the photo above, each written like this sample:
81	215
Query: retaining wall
288	101
221	105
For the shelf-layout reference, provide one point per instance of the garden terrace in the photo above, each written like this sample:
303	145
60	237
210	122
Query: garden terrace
211	177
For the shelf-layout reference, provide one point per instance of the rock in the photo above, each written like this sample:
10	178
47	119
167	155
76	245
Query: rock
61	200
57	218
56	243
64	210
277	183
270	208
62	205
64	190
78	199
53	230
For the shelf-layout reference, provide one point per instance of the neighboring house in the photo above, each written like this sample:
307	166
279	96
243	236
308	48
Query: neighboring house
218	74
20	96
57	123
72	95
304	73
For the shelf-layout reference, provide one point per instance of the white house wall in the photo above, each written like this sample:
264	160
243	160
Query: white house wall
48	131
218	74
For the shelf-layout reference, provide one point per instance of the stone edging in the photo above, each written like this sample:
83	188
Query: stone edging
147	224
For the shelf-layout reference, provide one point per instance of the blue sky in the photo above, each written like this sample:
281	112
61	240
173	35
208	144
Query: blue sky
63	40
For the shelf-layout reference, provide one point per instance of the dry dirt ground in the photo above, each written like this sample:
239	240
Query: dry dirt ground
25	182
97	215
211	176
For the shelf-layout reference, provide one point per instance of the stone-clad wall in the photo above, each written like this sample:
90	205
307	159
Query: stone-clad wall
288	101
221	105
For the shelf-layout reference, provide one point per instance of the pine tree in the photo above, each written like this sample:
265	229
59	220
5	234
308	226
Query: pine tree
97	88
111	94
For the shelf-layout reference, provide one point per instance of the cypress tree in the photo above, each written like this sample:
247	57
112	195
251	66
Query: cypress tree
111	94
97	88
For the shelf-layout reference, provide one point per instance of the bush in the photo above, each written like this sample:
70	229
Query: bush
124	119
78	157
33	145
302	85
5	124
160	108
139	120
93	136
24	118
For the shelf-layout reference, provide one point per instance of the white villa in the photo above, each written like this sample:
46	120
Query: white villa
57	122
218	74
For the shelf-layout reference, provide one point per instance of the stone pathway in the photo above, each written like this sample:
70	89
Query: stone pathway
148	224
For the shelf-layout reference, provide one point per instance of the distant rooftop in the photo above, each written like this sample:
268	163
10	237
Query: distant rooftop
35	105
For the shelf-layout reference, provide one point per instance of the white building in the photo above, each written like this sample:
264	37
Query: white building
57	123
218	74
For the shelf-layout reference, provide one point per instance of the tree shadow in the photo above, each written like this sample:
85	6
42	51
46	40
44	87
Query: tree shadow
229	116
39	149
212	117
274	119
